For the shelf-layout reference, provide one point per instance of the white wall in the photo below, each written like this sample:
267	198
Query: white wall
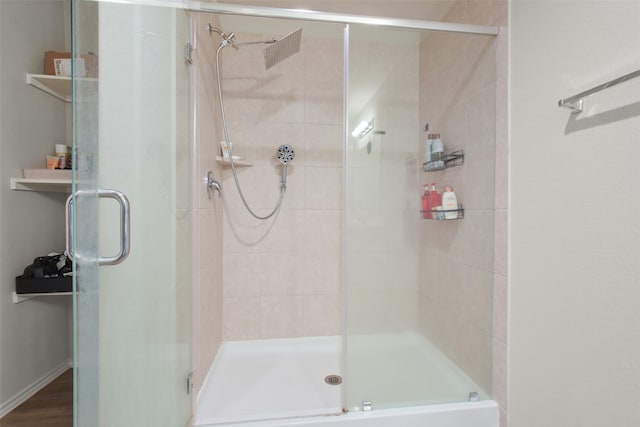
575	296
34	335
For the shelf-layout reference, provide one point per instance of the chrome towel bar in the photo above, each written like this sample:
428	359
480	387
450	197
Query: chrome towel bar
576	102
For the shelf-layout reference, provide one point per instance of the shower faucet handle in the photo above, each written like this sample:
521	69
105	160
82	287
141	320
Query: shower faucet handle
212	184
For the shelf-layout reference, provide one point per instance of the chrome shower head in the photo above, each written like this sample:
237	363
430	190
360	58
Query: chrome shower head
286	153
282	49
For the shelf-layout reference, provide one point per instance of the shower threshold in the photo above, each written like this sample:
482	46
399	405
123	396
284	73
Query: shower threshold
271	379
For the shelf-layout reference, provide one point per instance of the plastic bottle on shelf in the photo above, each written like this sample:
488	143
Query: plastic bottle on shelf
435	200
437	153
426	214
428	147
449	203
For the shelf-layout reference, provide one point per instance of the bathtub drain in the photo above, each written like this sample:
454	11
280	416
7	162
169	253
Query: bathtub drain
333	379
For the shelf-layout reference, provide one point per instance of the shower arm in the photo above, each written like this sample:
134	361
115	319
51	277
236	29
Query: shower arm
257	42
229	39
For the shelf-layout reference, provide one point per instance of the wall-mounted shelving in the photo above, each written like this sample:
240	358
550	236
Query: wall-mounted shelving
236	162
455	158
18	298
440	215
38	184
58	86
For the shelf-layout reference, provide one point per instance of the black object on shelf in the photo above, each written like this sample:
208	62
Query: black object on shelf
51	273
449	160
37	286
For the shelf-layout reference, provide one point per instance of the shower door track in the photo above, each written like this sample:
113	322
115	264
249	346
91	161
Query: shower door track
337	18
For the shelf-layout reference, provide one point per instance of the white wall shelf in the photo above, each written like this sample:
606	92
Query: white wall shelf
58	86
18	298
50	185
237	162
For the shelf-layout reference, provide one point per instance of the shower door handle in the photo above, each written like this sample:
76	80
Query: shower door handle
125	224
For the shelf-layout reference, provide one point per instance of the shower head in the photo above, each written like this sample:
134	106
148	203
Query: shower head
286	153
282	49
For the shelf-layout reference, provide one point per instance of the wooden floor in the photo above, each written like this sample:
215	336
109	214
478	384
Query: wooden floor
50	407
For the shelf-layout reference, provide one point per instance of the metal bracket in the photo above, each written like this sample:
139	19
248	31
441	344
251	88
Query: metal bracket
576	106
367	406
473	396
190	383
188	49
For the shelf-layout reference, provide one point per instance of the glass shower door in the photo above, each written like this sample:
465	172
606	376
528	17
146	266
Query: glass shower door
132	317
418	291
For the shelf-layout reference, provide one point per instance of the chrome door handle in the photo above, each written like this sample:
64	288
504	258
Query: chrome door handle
125	224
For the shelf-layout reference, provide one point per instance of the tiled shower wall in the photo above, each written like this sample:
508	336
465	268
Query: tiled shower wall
207	224
463	263
282	276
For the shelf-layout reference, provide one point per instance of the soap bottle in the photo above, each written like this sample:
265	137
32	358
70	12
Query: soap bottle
435	200
437	153
426	214
428	148
449	203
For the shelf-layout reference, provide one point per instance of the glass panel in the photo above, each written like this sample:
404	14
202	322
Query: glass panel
131	112
419	291
282	313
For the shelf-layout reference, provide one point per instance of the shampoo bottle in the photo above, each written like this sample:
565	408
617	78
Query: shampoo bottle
428	147
435	200
437	152
426	214
449	203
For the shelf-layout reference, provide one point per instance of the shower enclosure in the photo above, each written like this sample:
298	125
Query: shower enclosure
347	299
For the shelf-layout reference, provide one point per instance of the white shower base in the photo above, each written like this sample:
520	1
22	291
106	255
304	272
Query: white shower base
281	383
271	379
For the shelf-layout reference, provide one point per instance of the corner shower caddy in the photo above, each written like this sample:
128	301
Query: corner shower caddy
455	158
435	213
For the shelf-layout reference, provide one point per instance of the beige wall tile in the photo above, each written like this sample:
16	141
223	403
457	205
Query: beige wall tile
322	315
479	170
319	273
500	373
298	252
281	317
283	100
459	100
208	303
500	262
323	145
323	188
323	59
241	274
500	308
241	318
479	239
323	103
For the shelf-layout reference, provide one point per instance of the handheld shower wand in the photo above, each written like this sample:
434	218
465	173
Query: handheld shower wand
286	153
277	51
